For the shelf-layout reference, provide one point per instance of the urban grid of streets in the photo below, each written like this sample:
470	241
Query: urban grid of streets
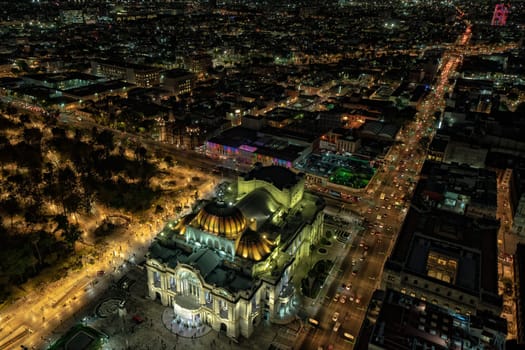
33	320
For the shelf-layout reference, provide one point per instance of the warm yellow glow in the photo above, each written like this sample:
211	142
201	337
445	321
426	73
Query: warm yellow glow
229	223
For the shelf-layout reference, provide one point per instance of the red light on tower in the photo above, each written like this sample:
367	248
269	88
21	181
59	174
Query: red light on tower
501	12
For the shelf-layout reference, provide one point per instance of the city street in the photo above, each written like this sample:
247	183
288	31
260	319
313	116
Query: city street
384	206
364	233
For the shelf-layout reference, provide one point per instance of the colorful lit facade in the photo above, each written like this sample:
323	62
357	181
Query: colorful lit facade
501	13
244	154
232	262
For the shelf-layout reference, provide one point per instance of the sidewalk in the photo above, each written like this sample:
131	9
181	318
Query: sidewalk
173	325
336	249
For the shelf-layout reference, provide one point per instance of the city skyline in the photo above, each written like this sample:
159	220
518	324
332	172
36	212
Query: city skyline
248	174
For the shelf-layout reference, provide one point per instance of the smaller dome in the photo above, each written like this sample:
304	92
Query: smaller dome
253	246
221	220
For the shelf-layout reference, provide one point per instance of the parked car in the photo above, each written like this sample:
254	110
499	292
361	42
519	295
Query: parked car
336	297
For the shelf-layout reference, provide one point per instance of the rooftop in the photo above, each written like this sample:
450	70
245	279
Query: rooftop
385	130
466	244
259	143
457	188
280	177
405	322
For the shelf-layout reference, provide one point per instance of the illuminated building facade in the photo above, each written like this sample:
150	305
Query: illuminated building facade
232	261
178	81
244	154
246	147
142	76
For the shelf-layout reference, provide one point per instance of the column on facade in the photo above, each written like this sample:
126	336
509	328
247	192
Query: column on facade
164	288
150	283
180	284
271	301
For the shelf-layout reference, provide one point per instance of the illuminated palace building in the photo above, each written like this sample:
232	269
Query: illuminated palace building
230	263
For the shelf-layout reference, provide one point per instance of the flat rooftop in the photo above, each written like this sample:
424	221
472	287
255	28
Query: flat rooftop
468	245
455	187
409	323
259	143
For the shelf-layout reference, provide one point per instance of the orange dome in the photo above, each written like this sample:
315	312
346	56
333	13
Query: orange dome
221	220
252	246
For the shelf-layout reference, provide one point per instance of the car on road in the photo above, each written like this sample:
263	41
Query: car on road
363	257
348	286
336	297
336	326
335	317
343	299
349	338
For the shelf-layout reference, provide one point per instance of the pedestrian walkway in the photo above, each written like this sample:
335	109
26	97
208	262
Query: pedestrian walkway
177	325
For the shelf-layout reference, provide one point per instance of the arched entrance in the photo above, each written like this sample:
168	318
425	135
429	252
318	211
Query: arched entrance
224	328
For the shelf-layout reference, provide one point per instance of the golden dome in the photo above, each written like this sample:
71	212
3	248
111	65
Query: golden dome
221	220
253	246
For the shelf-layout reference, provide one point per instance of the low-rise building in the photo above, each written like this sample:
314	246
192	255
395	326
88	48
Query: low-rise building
459	188
245	147
396	321
178	81
143	76
518	221
519	291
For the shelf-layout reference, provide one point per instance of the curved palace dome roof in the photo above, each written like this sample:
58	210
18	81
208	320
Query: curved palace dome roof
253	246
221	220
